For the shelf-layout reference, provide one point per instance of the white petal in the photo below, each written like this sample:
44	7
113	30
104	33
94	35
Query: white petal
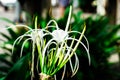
59	35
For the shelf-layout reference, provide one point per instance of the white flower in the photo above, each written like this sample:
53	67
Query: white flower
40	33
59	35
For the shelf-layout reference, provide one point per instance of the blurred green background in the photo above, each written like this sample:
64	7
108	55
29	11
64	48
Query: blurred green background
103	33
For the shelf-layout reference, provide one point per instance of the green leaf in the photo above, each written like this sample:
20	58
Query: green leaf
20	70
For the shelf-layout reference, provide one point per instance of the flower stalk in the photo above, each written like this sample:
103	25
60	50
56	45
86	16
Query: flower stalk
45	77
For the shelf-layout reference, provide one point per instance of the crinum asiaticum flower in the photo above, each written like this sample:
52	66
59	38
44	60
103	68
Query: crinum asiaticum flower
53	48
59	35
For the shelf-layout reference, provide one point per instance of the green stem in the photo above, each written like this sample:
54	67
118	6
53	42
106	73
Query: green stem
36	18
39	52
32	64
80	38
38	44
68	21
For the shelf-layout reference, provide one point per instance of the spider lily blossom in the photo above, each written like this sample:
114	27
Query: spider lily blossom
55	48
59	35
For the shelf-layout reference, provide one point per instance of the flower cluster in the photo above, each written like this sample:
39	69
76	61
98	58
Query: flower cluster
55	48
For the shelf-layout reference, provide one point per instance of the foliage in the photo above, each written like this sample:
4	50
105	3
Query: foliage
102	38
9	59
